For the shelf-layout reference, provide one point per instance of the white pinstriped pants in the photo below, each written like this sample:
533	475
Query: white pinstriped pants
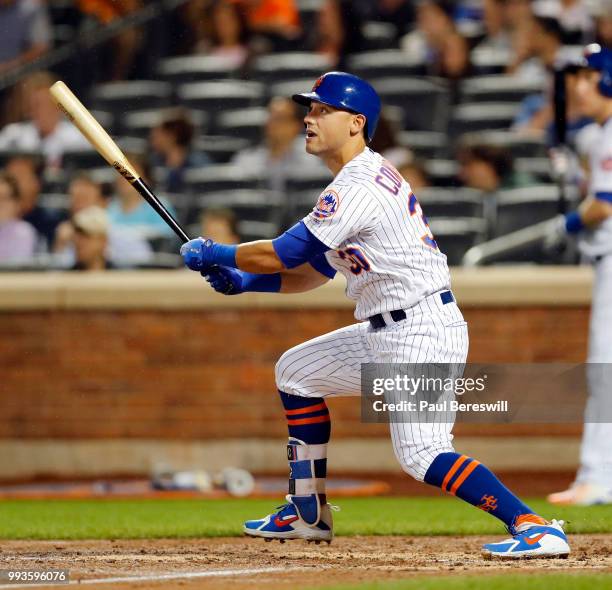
330	365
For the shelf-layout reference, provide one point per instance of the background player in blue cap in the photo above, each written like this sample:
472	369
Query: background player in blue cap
592	222
368	225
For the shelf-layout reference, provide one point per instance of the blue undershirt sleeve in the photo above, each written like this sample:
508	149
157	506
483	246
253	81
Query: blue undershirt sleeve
320	264
297	246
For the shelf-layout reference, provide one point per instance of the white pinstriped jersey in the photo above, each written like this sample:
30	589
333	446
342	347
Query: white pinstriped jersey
599	241
379	238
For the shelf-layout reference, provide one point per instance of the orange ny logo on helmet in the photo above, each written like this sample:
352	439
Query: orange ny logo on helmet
318	83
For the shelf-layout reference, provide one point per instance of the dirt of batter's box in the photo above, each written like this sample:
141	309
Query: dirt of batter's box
242	563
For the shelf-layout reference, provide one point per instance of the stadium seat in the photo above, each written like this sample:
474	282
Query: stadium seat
445	202
539	168
499	88
290	87
55	180
481	116
519	208
257	230
197	68
219	148
277	67
245	123
6	155
56	202
442	172
248	205
520	146
378	35
299	204
140	123
388	63
490	60
425	101
82	160
119	97
103	175
220	177
425	144
219	96
304	180
456	236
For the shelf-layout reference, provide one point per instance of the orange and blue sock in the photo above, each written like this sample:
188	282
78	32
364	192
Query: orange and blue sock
471	481
309	431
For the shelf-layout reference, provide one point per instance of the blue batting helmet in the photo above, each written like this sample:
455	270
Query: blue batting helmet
600	59
347	92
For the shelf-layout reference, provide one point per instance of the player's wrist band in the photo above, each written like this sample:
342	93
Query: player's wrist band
573	223
269	283
225	255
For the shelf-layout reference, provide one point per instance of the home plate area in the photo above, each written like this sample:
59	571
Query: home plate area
251	563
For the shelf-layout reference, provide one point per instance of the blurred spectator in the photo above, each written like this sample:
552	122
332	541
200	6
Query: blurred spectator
283	149
490	168
536	113
538	45
278	21
128	209
385	142
46	131
26	32
26	171
220	225
90	239
399	13
414	172
171	143
83	193
125	247
498	34
127	42
603	25
339	31
436	40
17	237
573	16
228	33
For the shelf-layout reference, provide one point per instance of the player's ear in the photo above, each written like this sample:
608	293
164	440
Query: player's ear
358	124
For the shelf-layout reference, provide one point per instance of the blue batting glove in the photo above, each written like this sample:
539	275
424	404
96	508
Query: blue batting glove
201	253
194	253
224	280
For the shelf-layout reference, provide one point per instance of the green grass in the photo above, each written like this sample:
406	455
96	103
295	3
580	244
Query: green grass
117	519
563	581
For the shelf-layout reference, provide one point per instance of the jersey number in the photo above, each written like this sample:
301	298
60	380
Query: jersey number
357	258
389	178
415	209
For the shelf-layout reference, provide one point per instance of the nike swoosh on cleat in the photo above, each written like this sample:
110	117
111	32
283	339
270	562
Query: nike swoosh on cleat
281	523
535	539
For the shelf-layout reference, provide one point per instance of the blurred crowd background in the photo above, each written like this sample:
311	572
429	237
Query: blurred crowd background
196	93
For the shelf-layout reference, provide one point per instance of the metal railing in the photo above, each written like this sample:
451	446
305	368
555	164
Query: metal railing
88	39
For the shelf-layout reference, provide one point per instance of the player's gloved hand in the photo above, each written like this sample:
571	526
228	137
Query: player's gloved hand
228	281
201	253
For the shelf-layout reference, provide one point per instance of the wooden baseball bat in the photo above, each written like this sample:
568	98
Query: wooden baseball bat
72	107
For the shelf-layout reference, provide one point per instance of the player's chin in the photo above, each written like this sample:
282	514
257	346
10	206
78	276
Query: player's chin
313	147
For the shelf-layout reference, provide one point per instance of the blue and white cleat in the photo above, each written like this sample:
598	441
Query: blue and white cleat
531	539
287	524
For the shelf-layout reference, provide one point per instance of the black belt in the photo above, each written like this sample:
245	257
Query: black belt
397	315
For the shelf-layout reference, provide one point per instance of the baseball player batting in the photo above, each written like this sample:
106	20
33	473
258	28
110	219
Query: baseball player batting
368	225
592	223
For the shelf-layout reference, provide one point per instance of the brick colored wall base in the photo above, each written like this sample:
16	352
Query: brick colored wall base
210	374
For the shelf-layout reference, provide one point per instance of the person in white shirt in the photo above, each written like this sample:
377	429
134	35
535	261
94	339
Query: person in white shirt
46	130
